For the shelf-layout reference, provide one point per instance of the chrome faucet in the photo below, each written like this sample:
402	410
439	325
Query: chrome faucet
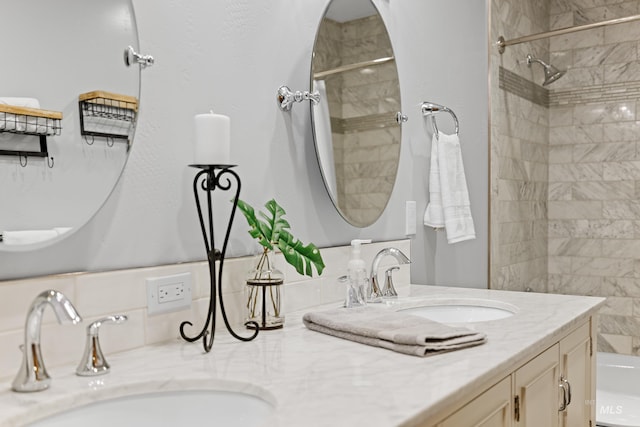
33	375
375	293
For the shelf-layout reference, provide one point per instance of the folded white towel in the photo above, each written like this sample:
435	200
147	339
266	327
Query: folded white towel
9	121
449	204
26	237
20	102
401	332
33	124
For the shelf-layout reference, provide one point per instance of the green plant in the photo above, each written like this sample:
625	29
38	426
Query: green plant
272	230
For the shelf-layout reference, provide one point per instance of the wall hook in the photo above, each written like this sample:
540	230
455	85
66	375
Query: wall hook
110	142
286	97
132	57
86	139
50	163
26	160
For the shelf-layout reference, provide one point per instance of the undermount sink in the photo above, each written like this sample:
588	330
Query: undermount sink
167	408
462	310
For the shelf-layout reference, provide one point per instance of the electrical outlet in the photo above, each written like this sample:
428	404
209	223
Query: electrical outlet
168	293
171	292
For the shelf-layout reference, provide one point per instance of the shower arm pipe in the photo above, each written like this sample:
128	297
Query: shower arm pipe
502	43
351	67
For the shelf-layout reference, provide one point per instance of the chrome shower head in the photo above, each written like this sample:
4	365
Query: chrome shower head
551	73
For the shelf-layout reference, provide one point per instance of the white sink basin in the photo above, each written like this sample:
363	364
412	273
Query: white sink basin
174	408
462	310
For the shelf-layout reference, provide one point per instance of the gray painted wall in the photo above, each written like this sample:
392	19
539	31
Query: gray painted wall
231	56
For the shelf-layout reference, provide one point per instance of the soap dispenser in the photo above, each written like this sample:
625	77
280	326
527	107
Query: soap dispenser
357	281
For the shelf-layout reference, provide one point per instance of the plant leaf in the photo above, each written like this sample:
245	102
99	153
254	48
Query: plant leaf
257	229
300	256
276	221
274	230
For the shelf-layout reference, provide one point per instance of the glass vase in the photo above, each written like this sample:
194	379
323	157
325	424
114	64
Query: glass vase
264	294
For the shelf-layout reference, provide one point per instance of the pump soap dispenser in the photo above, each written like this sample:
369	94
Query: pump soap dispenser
357	280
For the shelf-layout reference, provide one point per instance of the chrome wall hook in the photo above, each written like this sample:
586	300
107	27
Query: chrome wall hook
286	97
132	57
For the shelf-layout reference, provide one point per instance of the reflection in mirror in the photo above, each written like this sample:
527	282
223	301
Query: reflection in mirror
355	129
60	50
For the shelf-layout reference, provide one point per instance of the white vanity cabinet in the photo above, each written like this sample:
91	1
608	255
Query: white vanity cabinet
533	394
490	409
535	387
577	365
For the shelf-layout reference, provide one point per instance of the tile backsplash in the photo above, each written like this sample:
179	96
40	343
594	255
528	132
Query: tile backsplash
96	295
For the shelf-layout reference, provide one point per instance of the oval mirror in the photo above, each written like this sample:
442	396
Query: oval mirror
355	125
57	53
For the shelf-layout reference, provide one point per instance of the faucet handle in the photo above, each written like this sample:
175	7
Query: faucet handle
93	361
388	290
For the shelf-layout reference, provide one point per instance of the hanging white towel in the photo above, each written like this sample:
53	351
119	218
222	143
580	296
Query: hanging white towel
449	204
434	214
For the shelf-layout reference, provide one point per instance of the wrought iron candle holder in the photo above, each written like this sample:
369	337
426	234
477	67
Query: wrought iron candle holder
209	179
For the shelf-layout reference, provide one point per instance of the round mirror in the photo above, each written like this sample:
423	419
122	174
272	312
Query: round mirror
64	58
355	124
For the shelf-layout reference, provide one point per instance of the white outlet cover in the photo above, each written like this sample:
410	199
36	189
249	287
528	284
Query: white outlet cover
154	306
410	218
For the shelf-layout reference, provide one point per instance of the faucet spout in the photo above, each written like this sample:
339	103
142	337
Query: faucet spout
375	293
33	375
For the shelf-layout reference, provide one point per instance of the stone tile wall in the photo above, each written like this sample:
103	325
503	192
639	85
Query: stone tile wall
519	150
594	166
565	160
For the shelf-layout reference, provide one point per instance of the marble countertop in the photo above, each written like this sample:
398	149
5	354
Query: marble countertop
314	379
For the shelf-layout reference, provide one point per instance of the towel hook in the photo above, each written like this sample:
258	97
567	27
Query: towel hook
26	160
431	108
50	163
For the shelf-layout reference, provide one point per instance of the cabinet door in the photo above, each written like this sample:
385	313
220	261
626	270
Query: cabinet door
491	409
537	392
575	366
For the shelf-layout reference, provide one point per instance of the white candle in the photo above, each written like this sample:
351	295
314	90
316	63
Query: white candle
213	141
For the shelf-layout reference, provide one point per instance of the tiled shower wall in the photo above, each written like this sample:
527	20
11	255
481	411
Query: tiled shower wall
594	166
589	196
519	151
363	104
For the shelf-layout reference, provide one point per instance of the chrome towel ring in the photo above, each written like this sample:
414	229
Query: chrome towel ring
429	109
